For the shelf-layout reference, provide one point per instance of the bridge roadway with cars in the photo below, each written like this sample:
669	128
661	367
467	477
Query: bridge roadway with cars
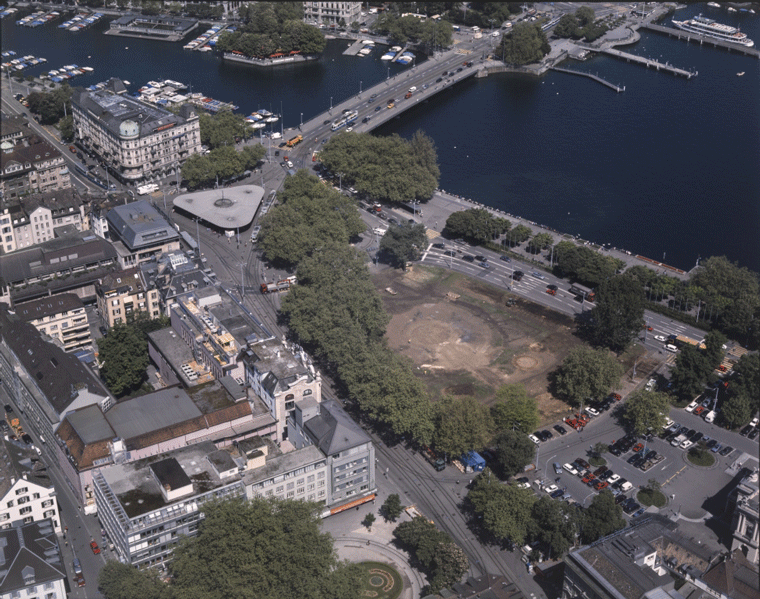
373	102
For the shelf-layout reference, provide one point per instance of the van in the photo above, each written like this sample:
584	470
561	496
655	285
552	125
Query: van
671	348
77	566
710	416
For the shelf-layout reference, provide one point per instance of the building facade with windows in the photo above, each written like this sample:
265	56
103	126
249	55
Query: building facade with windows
32	165
123	293
744	501
35	218
137	141
27	502
61	317
332	13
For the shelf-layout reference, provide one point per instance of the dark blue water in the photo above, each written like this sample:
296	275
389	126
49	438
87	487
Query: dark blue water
669	167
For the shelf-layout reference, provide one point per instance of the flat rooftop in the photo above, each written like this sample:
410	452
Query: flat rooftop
227	208
137	490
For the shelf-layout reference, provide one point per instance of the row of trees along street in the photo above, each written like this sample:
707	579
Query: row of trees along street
272	27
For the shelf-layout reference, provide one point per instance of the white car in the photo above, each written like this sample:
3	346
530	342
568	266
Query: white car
551	488
570	469
379	231
753	422
412	89
626	486
534	439
613	479
289	163
523	485
651	383
591	412
671	348
659	338
691	406
349	128
685	444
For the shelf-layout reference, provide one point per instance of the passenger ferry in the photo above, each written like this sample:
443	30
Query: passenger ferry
345	119
709	28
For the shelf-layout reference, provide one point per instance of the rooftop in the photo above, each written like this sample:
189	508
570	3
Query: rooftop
140	225
280	463
139	493
48	306
227	208
33	546
18	460
334	431
122	281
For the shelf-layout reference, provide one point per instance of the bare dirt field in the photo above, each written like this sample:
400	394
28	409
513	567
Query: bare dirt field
464	338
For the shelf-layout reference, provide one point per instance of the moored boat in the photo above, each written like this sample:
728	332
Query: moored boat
710	28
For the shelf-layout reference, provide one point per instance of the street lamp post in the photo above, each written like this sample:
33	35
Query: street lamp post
301	125
360	88
330	104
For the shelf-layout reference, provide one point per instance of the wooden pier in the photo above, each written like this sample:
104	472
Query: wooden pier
688	36
648	62
617	88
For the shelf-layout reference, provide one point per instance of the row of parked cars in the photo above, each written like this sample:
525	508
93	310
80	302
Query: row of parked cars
642	458
604	478
684	437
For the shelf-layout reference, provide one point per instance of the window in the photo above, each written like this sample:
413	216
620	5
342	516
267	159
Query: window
25	510
307	392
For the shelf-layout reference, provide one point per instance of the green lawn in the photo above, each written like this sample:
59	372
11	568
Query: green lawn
380	581
701	457
649	497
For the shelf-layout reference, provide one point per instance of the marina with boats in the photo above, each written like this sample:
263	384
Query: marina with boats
19	64
41	17
81	21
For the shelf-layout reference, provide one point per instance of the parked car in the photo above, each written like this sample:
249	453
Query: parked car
551	488
535	439
591	411
583	463
613	479
557	493
570	468
557	468
94	547
600	485
621	498
726	450
560	429
691	406
685	444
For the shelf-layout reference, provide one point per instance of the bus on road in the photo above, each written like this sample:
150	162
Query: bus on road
582	292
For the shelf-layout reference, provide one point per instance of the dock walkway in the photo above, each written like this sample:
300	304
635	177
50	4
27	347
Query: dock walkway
680	34
648	62
617	88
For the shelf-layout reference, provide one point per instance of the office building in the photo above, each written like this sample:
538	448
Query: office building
61	317
123	294
140	233
332	13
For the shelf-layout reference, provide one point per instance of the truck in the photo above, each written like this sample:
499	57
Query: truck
473	461
682	340
582	292
294	141
146	189
281	285
432	457
13	421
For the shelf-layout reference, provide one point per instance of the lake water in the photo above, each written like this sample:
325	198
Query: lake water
670	167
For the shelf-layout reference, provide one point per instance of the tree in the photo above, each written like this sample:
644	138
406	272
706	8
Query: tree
585	374
198	171
234	535
122	581
738	408
389	169
222	128
519	234
553	524
369	520
714	341
392	507
462	424
252	155
66	128
618	315
600	448
583	264
646	410
226	162
690	372
449	565
403	243
52	105
526	44
505	509
567	26
585	15
540	242
123	355
514	451
477	225
514	409
603	517
747	379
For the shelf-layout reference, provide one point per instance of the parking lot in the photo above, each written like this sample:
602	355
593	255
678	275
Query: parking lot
692	491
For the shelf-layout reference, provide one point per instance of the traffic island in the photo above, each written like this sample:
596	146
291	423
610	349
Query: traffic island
380	581
653	497
700	457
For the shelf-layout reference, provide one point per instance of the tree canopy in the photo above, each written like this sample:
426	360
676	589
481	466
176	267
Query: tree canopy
223	163
554	524
123	354
601	518
308	217
690	372
525	44
462	424
646	410
222	128
227	555
123	581
514	451
400	30
476	225
583	264
505	509
587	373
618	315
272	27
389	169
50	105
514	409
403	243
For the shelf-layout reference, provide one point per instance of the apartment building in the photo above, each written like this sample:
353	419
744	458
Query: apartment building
744	502
32	165
61	317
35	218
26	492
32	563
332	13
122	294
137	141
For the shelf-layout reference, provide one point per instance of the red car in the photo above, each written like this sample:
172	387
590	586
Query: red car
588	478
94	547
699	410
616	396
638	447
601	485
